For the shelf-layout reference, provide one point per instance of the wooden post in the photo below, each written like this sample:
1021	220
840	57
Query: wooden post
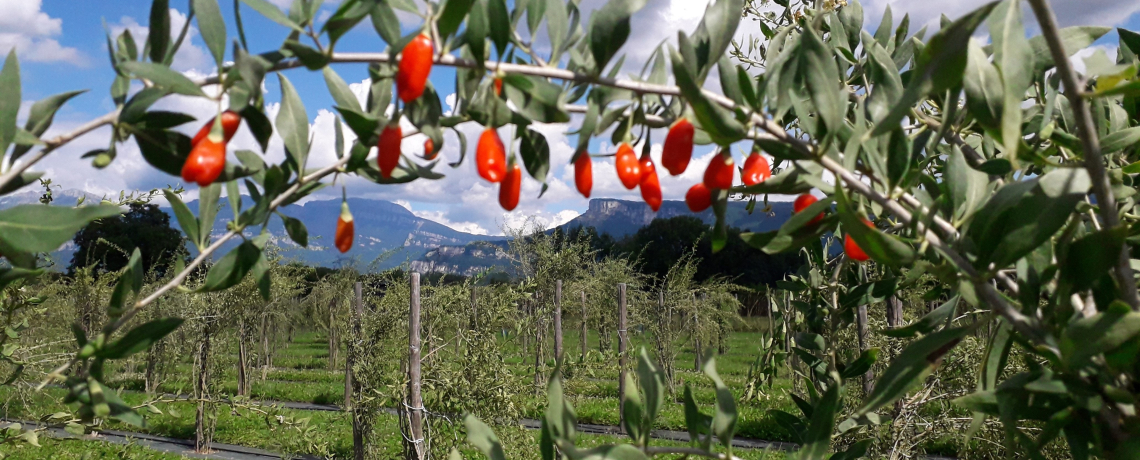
474	308
415	403
266	359
243	361
621	348
201	434
558	321
894	319
350	385
582	335
868	378
537	343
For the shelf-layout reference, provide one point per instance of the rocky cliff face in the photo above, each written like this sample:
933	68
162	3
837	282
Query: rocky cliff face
620	218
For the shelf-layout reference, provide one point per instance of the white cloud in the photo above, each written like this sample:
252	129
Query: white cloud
29	30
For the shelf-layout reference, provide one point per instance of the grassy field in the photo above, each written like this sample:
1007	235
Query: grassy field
301	373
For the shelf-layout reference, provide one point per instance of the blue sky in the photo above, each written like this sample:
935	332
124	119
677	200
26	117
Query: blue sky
62	47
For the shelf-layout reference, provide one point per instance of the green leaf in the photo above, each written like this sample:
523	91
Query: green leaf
140	338
293	124
309	56
861	365
914	364
984	91
724	420
792	180
1091	257
1100	333
163	77
927	323
39	228
632	410
347	16
1120	140
1073	39
1014	57
212	28
158	38
483	438
207	210
231	268
478	26
9	100
1023	215
609	29
557	27
164	149
968	186
653	387
714	34
341	94
451	16
884	248
500	21
938	67
817	66
869	293
535	154
721	125
186	219
259	125
888	85
817	438
696	423
273	13
296	230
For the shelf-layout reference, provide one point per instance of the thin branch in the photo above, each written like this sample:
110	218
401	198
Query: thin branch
1090	143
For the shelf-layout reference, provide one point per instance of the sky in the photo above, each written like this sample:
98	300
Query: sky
62	47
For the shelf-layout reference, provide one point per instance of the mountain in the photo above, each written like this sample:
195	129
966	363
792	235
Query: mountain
620	218
386	233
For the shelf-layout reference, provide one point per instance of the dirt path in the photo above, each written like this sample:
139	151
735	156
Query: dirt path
183	447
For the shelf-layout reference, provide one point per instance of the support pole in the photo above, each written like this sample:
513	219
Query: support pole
621	347
868	378
349	384
415	399
558	321
582	335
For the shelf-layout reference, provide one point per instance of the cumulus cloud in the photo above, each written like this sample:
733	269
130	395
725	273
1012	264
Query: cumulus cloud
29	30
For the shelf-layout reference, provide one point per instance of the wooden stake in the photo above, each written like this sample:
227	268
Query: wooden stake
582	335
868	378
558	320
415	399
621	348
349	384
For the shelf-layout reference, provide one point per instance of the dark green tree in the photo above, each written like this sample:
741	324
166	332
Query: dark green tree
664	241
107	244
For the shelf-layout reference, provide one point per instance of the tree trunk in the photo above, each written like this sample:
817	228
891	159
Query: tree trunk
418	445
201	434
558	321
621	349
583	335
